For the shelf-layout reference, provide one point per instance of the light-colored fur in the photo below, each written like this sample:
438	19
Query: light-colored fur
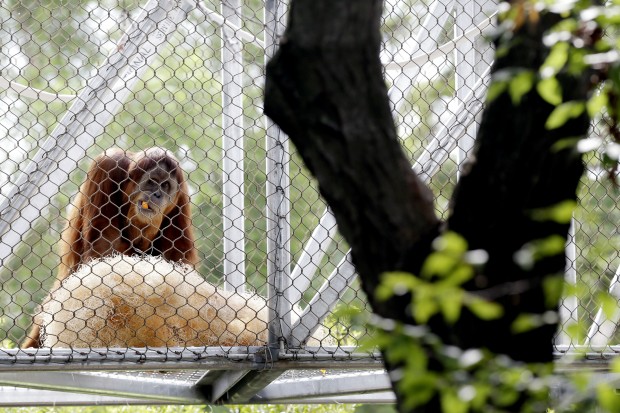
123	301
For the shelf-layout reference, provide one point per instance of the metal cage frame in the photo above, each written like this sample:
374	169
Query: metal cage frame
276	373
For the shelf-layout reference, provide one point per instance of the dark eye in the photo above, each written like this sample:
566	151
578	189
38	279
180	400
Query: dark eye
165	185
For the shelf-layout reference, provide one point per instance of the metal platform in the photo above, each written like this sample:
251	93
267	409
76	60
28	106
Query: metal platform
190	376
218	376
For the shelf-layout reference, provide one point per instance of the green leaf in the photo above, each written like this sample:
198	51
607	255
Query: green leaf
550	90
553	286
506	396
399	348
417	388
520	85
450	402
556	60
548	247
609	162
450	241
383	292
483	309
614	365
417	359
395	283
449	250
608	19
496	88
563	113
576	64
607	397
597	103
483	391
347	311
575	331
451	304
438	264
459	275
424	308
582	381
561	212
578	289
525	322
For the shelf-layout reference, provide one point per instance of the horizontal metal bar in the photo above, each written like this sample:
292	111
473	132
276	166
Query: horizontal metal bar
328	385
195	358
117	386
22	397
387	397
582	365
572	349
174	358
579	357
293	363
319	353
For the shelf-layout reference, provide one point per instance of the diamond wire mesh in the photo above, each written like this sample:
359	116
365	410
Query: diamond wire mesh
590	308
190	98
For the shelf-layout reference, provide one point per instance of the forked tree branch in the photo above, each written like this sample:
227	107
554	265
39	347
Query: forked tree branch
325	90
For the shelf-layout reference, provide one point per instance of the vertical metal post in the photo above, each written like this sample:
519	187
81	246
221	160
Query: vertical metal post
469	65
278	201
570	304
233	152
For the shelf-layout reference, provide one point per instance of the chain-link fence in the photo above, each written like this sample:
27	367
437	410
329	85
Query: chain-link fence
224	238
589	312
229	210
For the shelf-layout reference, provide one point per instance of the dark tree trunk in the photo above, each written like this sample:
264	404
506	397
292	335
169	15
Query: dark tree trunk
519	168
325	90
